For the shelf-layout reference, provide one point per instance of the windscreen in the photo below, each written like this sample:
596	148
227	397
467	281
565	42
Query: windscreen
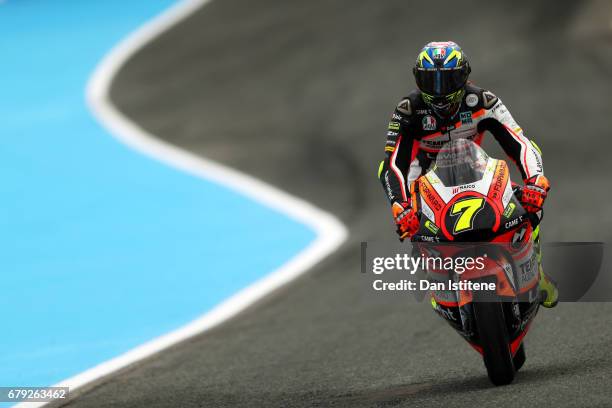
460	162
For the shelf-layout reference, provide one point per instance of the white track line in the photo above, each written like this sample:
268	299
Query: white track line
331	233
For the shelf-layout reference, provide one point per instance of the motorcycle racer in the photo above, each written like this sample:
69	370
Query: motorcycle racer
446	107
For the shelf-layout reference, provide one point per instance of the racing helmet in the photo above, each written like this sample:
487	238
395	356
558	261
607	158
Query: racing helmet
441	72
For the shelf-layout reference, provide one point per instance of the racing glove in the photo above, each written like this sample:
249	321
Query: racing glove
534	193
406	220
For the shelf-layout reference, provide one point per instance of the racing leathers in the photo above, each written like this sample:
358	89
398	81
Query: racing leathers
415	135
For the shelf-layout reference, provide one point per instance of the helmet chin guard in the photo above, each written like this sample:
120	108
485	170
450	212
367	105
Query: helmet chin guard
445	107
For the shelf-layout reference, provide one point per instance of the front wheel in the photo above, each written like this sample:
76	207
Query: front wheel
519	358
491	327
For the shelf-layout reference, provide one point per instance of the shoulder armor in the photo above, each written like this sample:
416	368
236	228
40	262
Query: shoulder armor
473	96
488	99
405	107
476	97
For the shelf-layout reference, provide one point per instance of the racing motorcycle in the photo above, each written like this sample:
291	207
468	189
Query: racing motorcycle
468	206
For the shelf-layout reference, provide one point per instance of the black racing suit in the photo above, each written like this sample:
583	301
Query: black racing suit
415	136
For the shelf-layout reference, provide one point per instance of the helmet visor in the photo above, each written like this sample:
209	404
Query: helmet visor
441	81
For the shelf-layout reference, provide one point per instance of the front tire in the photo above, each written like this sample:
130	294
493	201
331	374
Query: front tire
519	358
491	327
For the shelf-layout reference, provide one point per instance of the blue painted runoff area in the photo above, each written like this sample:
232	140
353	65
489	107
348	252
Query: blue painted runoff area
102	248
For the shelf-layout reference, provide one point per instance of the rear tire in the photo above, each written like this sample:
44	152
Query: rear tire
519	358
491	327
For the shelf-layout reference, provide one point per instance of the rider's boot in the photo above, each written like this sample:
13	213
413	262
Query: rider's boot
549	291
549	294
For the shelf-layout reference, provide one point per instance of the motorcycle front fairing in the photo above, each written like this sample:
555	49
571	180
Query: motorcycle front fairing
467	197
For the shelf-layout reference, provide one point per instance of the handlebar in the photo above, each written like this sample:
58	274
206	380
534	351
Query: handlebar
518	193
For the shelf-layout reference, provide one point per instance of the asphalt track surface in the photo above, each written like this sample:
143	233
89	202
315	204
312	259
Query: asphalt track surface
299	94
